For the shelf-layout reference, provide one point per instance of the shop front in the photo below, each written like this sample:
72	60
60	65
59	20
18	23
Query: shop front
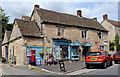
75	55
33	54
61	49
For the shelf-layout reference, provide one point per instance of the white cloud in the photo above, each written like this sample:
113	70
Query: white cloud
18	9
60	0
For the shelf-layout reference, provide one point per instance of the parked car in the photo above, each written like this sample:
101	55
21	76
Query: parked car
116	57
102	58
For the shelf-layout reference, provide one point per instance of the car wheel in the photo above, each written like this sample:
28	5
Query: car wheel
105	65
88	66
115	62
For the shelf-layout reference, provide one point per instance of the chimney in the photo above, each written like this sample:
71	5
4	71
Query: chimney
79	13
95	19
105	17
36	6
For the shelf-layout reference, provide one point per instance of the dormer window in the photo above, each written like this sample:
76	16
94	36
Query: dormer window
84	33
101	35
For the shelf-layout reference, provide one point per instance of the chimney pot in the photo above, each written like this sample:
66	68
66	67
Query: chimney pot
36	6
79	13
95	19
105	17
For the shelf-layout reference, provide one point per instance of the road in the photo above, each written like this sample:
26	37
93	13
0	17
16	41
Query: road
112	70
8	70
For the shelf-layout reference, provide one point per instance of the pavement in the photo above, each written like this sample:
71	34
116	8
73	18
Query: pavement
69	67
7	69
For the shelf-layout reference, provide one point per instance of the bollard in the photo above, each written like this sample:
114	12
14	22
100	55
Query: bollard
62	66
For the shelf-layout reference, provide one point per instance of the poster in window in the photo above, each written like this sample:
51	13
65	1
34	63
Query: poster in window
28	52
48	50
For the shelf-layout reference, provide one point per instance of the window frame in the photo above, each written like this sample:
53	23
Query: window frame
101	35
84	33
61	31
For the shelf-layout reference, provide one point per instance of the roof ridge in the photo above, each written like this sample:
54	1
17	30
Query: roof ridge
24	20
64	13
114	20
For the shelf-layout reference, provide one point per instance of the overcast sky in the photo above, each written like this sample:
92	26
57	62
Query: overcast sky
17	9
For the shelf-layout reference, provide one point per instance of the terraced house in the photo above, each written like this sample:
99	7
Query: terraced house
65	36
113	27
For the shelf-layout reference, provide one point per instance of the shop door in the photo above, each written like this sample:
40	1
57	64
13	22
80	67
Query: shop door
64	52
86	49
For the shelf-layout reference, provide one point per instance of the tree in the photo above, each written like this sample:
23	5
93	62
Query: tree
5	20
117	42
111	46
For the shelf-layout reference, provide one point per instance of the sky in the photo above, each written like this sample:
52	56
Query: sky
90	9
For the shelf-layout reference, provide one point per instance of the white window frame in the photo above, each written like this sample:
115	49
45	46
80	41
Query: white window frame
83	33
62	31
102	35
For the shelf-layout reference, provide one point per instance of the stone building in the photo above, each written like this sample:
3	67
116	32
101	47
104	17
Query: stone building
65	36
5	44
112	26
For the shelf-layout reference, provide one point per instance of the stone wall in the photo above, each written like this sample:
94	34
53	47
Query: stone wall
17	51
111	30
74	34
20	50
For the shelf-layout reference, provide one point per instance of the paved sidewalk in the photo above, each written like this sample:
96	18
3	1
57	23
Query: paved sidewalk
70	67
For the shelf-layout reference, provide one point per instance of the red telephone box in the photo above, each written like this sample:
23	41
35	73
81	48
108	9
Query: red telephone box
33	56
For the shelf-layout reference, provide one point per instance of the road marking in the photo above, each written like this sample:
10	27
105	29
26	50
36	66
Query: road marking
82	71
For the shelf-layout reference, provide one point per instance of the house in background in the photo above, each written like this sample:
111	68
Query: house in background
5	44
113	27
65	36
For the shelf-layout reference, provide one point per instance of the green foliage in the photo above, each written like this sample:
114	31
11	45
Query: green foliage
3	60
111	46
5	25
117	42
5	18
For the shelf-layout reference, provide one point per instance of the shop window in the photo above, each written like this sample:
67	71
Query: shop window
84	33
101	35
49	50
60	31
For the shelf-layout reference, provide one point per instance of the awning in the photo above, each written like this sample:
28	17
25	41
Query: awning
87	44
102	45
77	43
32	46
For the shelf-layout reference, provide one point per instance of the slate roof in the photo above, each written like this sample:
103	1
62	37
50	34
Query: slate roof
116	23
8	33
67	19
28	28
26	17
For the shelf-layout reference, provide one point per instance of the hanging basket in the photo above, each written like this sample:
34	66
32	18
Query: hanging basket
42	54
